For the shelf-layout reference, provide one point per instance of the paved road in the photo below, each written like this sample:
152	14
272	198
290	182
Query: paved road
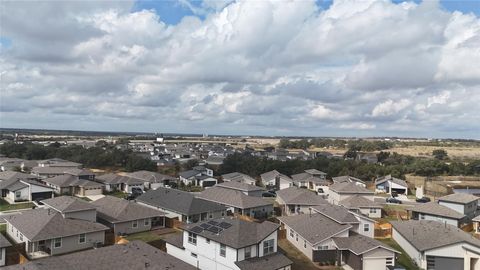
381	200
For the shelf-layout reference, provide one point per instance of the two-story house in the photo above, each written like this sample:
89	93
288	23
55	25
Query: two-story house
343	190
229	244
294	200
276	180
312	179
463	203
198	176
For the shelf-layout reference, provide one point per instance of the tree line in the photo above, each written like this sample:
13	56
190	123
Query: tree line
357	145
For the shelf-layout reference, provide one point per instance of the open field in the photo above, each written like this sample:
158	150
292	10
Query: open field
426	151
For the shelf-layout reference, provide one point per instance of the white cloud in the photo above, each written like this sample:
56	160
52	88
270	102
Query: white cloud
390	107
441	98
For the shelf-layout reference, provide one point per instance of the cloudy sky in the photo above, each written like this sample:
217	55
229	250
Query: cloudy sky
341	68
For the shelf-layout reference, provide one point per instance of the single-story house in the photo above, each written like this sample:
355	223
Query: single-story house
362	205
153	180
436	245
247	189
349	179
23	187
68	184
463	203
181	205
115	182
72	207
312	179
436	212
344	190
387	184
275	180
238	177
294	200
237	202
214	160
126	217
198	176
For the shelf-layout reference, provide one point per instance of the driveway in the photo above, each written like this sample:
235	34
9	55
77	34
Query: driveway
95	197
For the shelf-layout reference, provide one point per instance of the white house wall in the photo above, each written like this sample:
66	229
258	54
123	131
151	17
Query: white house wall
408	248
2	257
24	195
36	189
453	222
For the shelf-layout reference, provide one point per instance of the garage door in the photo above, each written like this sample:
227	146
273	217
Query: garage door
374	263
443	263
89	192
41	195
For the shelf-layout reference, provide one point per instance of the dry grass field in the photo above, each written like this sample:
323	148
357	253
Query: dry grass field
426	151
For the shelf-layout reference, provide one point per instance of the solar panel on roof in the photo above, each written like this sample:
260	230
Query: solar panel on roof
196	229
214	229
213	222
224	225
205	225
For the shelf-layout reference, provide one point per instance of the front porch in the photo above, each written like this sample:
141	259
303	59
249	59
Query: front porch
38	249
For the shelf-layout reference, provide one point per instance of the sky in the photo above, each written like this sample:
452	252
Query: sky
290	68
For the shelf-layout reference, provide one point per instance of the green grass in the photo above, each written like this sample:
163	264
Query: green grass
5	206
403	259
144	236
3	228
117	194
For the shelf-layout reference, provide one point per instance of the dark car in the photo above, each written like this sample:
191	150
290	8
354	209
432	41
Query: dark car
393	200
272	191
423	200
268	194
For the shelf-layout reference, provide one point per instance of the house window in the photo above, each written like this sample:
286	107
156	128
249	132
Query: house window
291	233
323	248
57	242
21	237
135	224
268	247
207	240
223	250
366	227
389	261
146	222
304	244
192	238
296	237
82	238
210	216
18	194
248	252
373	210
193	255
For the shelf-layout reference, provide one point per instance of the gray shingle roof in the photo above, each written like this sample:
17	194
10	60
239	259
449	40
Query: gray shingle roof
43	224
65	204
271	175
300	196
356	202
436	209
113	178
429	234
462	198
392	179
315	172
239	186
149	176
240	234
7	175
4	242
114	210
135	255
337	213
232	197
16	186
306	177
359	244
238	177
178	201
189	173
346	178
314	228
270	262
349	187
175	239
67	180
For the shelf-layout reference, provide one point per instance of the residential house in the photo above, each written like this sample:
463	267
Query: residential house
388	184
275	180
362	205
463	203
198	176
214	160
348	179
135	255
476	224
181	205
46	232
238	177
126	217
153	180
312	179
360	224
322	239
67	184
436	245
58	162
237	202
17	187
4	244
47	172
10	164
114	182
71	207
229	244
436	212
341	191
294	200
367	157
247	189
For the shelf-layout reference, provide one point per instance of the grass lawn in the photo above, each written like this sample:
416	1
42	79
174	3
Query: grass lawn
144	236
3	228
117	194
5	206
299	260
403	259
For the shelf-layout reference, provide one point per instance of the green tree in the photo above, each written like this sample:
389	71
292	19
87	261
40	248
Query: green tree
440	154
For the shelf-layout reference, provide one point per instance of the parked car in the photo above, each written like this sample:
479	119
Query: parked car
423	200
394	193
268	194
393	200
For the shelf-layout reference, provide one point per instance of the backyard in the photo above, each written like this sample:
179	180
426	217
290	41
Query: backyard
403	259
299	260
5	206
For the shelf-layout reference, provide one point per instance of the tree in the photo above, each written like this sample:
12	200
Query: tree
440	154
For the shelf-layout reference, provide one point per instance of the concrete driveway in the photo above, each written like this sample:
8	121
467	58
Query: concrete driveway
95	197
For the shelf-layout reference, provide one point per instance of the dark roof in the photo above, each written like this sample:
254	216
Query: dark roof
135	255
239	186
65	204
178	201
300	196
349	187
462	198
189	173
113	210
314	228
231	197
43	224
392	179
149	176
112	178
346	178
270	262
67	180
240	234
357	201
436	209
4	242
337	213
429	234
359	244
